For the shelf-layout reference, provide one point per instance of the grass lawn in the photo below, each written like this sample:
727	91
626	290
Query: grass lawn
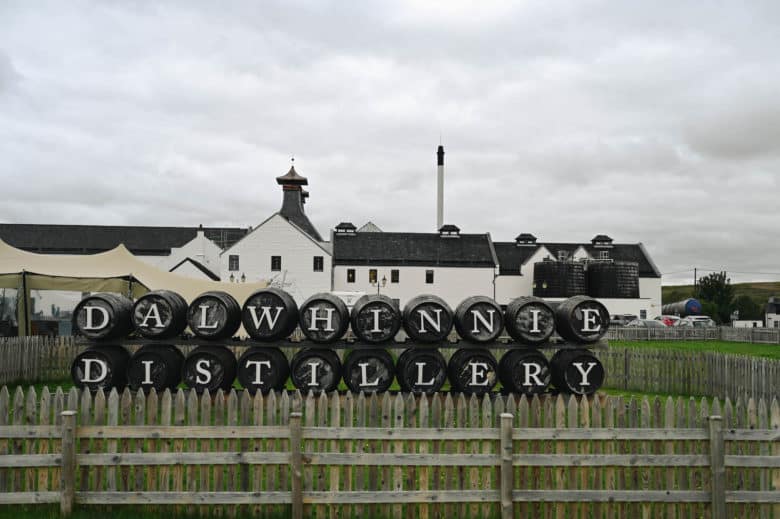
771	351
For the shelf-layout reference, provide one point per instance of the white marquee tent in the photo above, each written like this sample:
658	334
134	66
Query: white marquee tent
116	270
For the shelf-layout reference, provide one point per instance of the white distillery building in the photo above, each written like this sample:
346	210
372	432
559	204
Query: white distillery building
403	265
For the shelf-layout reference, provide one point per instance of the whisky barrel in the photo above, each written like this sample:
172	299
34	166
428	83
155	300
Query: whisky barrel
103	316
421	370
375	318
269	314
427	318
524	371
160	314
209	367
473	371
369	370
581	319
576	371
263	369
529	320
155	366
315	369
214	315
324	318
99	367
479	319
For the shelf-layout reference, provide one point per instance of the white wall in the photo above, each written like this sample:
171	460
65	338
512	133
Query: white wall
277	237
450	283
772	320
511	287
747	324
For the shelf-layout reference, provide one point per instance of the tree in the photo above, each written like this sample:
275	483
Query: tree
716	288
748	308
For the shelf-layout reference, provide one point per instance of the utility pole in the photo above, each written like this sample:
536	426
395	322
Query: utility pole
695	291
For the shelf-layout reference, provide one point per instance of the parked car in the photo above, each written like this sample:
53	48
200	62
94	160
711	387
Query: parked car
697	321
646	323
668	320
621	319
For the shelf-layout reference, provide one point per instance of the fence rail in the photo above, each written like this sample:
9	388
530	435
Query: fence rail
392	455
684	333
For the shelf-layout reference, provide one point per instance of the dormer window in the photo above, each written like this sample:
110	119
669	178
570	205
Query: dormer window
449	231
603	254
525	240
346	229
601	240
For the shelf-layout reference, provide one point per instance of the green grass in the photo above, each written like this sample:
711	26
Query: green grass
771	351
759	292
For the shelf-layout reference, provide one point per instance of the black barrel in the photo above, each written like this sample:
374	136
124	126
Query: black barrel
209	367
103	316
576	371
581	319
427	318
524	371
160	314
315	369
473	371
375	318
479	319
369	370
529	320
559	279
263	369
214	315
269	314
155	366
618	279
100	367
421	370
324	318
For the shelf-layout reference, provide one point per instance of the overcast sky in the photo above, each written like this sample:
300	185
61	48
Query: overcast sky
655	121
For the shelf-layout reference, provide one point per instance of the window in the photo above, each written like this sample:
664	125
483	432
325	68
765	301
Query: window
643	314
429	277
233	262
562	255
604	254
394	275
372	276
350	275
319	264
276	263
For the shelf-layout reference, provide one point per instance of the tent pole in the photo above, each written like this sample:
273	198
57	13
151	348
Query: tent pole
23	315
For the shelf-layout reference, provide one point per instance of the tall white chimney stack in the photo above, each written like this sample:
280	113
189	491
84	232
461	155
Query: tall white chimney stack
440	188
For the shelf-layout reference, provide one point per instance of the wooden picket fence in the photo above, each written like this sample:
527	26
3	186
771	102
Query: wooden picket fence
399	456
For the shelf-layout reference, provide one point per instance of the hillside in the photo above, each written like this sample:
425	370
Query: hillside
759	292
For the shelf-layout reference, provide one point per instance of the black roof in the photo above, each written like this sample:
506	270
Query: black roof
198	265
91	239
525	236
449	228
511	256
412	249
346	226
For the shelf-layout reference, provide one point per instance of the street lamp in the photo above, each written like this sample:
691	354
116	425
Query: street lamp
379	283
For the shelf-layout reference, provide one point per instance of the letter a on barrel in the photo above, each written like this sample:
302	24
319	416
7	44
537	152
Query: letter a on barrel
269	315
375	318
160	314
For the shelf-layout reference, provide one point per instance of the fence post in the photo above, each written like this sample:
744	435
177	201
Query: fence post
507	480
625	368
717	467
296	461
68	464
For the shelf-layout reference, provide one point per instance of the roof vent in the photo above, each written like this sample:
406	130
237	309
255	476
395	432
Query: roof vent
525	239
346	228
601	240
449	231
